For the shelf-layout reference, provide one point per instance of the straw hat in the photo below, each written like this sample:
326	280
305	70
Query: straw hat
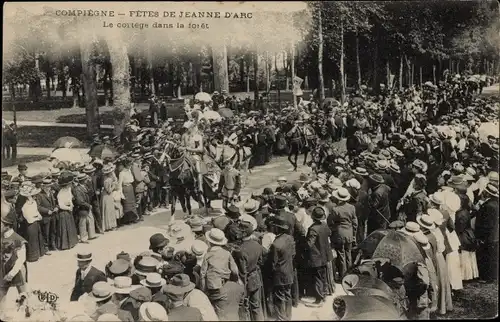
101	291
491	190
108	317
436	215
199	248
146	265
83	256
152	311
353	183
216	236
410	228
251	206
108	168
341	194
452	201
123	285
153	280
426	221
422	241
360	171
249	219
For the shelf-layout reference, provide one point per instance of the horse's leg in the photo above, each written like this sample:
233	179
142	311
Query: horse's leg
187	201
291	152
306	152
295	158
173	200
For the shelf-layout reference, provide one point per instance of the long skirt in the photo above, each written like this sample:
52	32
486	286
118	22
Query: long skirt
454	270
35	248
468	263
129	204
330	277
66	236
444	296
109	212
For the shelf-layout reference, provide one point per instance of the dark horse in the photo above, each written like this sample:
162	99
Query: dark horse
181	169
300	140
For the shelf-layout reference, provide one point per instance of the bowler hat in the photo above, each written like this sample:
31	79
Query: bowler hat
172	268
318	213
22	167
119	266
233	212
146	265
158	240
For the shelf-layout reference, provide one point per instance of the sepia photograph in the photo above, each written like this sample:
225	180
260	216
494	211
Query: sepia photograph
250	161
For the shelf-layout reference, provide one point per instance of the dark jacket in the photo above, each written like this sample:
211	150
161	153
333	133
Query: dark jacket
81	199
343	224
464	230
280	259
296	229
416	205
249	258
184	313
85	285
487	221
320	252
379	203
46	202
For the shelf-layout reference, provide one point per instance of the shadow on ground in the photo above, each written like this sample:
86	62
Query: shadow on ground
23	159
44	137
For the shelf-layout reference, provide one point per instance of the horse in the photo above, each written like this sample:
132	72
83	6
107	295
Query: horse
183	178
239	157
299	140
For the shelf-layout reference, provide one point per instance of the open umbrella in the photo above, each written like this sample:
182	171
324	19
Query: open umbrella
203	97
67	142
327	101
486	129
212	115
103	151
393	245
67	155
225	112
369	307
366	285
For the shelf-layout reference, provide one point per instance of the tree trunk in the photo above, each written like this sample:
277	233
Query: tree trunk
256	76
434	74
321	79
400	80
47	85
89	84
221	74
421	81
412	72
292	68
342	79
286	66
247	66
75	91
277	79
388	75
121	82
375	62
242	73
151	69
358	64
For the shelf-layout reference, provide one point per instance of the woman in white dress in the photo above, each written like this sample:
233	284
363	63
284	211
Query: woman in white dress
448	209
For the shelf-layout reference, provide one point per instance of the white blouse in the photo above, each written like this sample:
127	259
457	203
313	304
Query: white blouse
65	199
30	211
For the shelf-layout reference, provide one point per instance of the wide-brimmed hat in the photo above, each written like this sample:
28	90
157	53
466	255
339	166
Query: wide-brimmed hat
491	190
141	294
251	206
146	265
199	248
153	280
318	213
426	221
178	285
360	171
377	178
422	240
84	256
65	179
233	212
397	224
282	179
411	228
341	194
216	236
158	240
152	311
123	285
457	182
101	291
382	164
89	168
119	266
29	191
108	168
196	223
249	219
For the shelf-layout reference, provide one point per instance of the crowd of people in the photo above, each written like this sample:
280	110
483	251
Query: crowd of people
414	162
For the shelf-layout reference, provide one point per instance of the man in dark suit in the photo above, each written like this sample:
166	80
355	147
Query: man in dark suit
487	234
175	291
320	253
298	233
86	276
83	209
94	191
47	207
280	259
343	224
249	258
379	204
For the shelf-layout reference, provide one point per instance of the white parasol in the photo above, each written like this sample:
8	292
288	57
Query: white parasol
68	155
212	115
486	129
203	97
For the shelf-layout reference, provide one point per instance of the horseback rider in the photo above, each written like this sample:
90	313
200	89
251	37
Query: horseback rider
192	141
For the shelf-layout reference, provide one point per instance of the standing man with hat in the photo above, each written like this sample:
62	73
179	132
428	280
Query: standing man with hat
486	229
343	224
94	187
102	294
176	291
23	173
229	184
48	208
83	210
320	253
280	260
379	204
86	276
139	185
249	258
